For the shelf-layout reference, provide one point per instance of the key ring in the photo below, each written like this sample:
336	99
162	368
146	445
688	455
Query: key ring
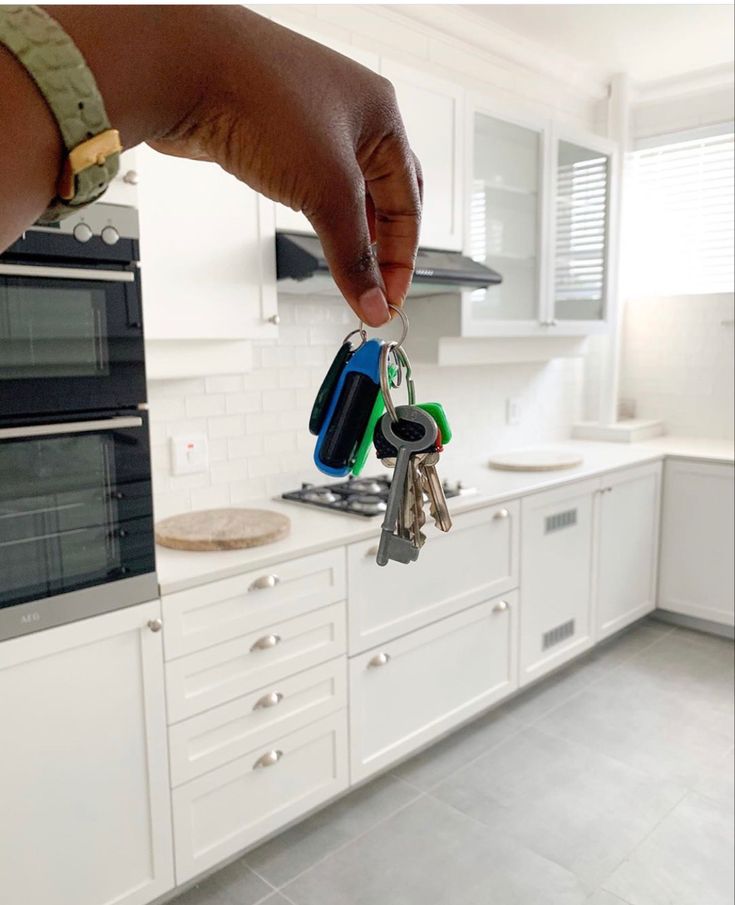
404	317
399	352
363	336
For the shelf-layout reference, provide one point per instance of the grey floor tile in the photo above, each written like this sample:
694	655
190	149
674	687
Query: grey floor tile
552	691
290	853
430	853
602	897
452	753
687	860
275	899
629	643
718	780
235	884
567	802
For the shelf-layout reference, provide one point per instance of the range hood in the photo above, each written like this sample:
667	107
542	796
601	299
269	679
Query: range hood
301	269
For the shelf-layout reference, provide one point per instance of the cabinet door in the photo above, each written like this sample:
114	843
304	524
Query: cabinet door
207	245
696	573
556	577
581	186
627	547
432	112
505	221
86	816
411	690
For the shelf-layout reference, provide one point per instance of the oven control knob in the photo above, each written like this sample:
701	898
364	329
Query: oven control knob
82	232
110	236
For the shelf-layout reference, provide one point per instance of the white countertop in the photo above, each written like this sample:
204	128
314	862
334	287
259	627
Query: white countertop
313	530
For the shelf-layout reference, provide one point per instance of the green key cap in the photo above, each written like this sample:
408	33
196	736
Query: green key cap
436	410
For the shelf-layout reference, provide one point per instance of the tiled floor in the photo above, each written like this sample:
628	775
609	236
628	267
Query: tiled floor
609	784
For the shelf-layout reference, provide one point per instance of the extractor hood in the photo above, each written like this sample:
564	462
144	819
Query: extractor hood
301	268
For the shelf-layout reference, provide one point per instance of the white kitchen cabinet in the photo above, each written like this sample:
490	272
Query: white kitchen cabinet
85	815
207	248
433	111
224	811
409	691
557	533
627	547
696	565
476	560
124	187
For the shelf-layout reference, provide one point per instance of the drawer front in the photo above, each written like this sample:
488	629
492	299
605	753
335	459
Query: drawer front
204	616
409	691
227	810
225	733
476	560
239	667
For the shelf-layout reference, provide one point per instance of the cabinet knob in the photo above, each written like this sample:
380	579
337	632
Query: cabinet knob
130	177
379	660
264	582
372	552
501	606
155	625
501	513
268	700
267	642
274	319
269	759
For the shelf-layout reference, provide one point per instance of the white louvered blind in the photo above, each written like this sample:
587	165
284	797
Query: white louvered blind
581	232
679	217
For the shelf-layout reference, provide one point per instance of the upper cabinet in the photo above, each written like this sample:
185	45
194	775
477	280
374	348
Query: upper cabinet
432	111
581	188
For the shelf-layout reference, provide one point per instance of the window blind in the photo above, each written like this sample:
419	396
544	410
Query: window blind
581	229
679	218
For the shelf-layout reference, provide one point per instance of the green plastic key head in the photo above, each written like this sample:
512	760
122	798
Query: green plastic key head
436	410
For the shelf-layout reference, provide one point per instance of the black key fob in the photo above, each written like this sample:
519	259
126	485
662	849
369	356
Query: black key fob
324	396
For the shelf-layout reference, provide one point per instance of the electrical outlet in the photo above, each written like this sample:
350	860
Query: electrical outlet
513	411
189	454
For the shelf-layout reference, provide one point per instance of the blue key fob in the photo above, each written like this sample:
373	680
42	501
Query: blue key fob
349	411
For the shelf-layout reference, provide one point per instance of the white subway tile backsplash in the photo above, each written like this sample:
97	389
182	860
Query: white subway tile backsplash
219	384
242	403
226	426
201	406
279	400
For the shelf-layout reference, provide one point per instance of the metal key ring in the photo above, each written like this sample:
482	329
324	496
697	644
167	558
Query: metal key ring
404	317
363	336
385	352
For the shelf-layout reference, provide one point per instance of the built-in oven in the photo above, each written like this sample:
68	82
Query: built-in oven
71	322
76	519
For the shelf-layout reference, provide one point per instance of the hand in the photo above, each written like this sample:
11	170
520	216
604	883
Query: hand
312	129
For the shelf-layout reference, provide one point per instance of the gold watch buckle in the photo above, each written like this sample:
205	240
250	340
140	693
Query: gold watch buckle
93	152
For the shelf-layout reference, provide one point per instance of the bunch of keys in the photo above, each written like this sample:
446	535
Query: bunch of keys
348	417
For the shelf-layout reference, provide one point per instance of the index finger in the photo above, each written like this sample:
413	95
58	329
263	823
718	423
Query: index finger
393	181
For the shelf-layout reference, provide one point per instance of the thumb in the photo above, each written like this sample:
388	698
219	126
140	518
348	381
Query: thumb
342	227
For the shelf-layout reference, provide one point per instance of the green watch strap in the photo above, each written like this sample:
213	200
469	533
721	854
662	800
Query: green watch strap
59	70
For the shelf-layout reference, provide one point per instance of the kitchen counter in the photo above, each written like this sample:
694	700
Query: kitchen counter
313	530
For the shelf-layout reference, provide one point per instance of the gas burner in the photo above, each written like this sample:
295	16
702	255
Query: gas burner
369	505
368	485
319	495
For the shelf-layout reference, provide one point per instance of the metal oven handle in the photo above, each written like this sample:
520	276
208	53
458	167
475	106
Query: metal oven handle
70	427
67	273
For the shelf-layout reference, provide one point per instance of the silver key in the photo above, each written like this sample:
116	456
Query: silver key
393	546
432	484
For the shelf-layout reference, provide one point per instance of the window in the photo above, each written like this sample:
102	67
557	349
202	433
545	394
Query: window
679	217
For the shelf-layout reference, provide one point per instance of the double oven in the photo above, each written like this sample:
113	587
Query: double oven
76	510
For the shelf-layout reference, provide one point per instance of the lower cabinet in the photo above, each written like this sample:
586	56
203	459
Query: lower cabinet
556	577
410	690
85	813
224	811
696	571
627	547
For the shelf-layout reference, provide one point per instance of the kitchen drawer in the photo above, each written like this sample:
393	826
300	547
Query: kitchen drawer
238	667
225	733
411	690
215	612
475	561
219	814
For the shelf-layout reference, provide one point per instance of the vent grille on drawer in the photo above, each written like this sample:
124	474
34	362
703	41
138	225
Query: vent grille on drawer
557	635
561	520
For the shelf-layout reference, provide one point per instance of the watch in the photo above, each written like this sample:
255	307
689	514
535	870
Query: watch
61	73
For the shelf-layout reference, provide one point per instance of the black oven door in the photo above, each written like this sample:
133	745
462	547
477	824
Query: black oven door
76	520
71	340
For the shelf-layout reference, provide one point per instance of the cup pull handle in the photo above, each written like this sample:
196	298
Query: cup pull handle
266	643
269	759
264	582
501	606
268	700
501	513
379	660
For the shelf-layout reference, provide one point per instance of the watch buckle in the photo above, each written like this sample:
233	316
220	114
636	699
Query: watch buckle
93	152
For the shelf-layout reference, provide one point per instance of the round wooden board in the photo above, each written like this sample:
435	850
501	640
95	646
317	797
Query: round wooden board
535	460
222	529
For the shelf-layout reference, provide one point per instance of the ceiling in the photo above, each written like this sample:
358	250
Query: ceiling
648	41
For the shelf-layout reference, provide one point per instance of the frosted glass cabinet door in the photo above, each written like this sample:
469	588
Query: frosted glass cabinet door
505	217
582	178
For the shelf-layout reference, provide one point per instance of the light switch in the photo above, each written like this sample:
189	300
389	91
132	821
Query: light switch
189	454
513	411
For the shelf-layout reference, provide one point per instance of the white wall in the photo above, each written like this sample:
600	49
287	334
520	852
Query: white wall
257	422
677	362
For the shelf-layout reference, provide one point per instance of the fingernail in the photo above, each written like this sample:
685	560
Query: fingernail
374	307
